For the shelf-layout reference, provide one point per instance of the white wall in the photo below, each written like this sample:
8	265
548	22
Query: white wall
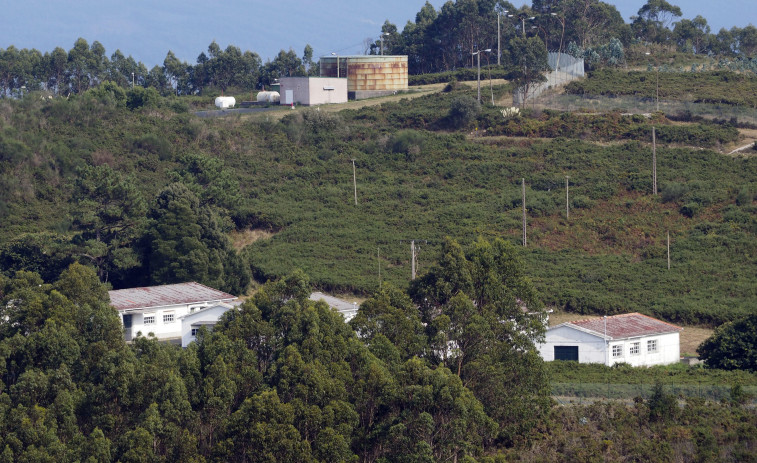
211	314
668	350
161	329
315	90
591	349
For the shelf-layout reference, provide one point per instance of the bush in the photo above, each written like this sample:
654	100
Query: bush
463	110
673	191
733	346
407	142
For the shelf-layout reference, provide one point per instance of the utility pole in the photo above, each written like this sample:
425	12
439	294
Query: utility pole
378	259
499	44
478	78
523	185
654	162
668	249
567	203
354	180
413	256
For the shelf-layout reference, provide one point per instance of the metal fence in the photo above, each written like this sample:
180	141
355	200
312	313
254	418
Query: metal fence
637	105
565	68
591	392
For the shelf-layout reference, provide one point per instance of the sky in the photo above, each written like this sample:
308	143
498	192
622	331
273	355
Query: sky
148	29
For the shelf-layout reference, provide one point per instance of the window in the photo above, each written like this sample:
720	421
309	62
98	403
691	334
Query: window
635	348
617	350
149	319
652	345
167	318
194	331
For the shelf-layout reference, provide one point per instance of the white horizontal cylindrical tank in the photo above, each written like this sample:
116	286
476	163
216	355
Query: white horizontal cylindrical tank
268	97
225	102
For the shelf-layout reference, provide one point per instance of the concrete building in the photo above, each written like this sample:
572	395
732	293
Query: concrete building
159	309
311	91
368	75
632	338
207	317
347	309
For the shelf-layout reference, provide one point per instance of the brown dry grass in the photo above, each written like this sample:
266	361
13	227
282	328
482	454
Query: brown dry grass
244	238
691	336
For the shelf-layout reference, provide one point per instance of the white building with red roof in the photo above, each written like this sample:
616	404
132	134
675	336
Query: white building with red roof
631	338
160	309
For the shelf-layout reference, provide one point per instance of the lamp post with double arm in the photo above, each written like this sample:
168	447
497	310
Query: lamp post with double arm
477	54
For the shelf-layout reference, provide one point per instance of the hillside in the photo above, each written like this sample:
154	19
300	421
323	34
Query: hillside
422	176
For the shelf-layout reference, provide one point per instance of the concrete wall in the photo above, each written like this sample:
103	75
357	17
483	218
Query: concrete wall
314	90
201	318
161	329
668	350
591	349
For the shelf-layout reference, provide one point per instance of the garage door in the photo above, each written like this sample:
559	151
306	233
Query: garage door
566	353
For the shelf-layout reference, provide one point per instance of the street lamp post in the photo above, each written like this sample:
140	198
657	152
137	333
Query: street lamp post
477	54
382	42
337	63
499	37
523	22
559	50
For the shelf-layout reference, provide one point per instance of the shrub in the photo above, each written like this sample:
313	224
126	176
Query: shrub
463	110
407	142
673	191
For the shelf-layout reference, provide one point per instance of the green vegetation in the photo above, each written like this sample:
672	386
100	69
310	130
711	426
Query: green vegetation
416	180
733	346
121	186
701	87
280	379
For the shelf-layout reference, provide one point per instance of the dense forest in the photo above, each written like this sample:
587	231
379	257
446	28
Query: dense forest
108	184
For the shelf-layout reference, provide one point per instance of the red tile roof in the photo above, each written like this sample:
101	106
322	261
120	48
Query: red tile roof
160	296
626	326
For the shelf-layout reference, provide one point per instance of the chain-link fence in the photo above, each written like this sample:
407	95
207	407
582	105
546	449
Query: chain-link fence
591	392
565	68
636	105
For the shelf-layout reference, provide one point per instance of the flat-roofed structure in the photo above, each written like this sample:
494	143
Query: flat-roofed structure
311	91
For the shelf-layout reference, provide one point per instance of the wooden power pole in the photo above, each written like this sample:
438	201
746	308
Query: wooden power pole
413	256
378	259
567	199
654	162
354	180
523	187
668	249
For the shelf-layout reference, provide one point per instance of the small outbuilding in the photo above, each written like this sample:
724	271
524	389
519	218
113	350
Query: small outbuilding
346	308
311	91
633	338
